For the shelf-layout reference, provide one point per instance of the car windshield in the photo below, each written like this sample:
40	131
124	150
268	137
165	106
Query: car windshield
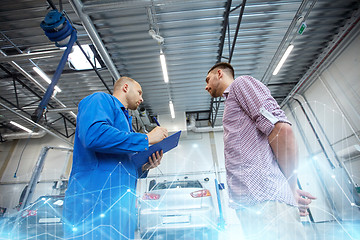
178	184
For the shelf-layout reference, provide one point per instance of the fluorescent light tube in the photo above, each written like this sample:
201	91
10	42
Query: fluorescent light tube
172	112
20	126
72	113
283	59
45	77
164	68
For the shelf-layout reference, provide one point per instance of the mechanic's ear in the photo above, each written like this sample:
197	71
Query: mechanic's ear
125	87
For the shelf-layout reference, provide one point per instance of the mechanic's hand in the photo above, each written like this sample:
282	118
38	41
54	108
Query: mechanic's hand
154	161
303	200
157	134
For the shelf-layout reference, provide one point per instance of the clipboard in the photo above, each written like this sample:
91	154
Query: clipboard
166	145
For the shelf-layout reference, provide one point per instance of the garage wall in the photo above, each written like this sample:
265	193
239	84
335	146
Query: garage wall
327	121
198	156
22	161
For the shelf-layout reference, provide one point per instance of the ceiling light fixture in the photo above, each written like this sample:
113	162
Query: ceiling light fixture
283	59
73	114
172	112
45	77
20	126
163	66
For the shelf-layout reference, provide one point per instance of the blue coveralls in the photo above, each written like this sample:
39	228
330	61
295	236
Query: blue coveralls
100	199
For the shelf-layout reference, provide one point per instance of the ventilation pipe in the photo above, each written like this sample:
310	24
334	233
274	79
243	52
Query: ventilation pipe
77	5
95	38
36	124
24	135
192	127
42	132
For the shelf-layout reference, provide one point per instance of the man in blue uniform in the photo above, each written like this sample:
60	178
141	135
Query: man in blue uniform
101	195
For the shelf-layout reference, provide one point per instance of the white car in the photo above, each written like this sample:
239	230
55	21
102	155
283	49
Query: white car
177	210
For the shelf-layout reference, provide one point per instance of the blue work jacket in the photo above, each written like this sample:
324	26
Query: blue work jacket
100	199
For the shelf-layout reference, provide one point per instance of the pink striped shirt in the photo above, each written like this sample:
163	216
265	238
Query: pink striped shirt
253	174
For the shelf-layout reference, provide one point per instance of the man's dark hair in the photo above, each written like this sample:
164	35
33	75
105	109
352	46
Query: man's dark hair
224	66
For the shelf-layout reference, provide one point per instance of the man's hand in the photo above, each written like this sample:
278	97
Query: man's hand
154	161
157	134
303	200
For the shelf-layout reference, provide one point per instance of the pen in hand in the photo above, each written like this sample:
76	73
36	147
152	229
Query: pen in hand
156	121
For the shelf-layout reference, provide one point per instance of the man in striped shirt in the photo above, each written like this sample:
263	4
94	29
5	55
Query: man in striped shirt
260	157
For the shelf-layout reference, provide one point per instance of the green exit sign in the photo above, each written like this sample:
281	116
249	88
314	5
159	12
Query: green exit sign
302	28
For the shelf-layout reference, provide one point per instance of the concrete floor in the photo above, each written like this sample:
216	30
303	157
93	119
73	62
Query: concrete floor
349	230
346	230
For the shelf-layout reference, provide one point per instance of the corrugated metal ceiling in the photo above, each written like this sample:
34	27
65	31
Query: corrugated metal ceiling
192	32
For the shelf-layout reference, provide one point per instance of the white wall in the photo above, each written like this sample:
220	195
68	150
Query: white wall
332	104
26	154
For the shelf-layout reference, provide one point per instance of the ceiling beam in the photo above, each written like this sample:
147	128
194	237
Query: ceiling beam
34	55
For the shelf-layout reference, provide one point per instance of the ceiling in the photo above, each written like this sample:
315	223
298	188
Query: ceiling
195	35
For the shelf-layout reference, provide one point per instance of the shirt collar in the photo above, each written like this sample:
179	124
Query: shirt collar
226	92
126	112
120	103
128	117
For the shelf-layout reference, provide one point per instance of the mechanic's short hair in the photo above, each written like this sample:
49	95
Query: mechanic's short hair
121	81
